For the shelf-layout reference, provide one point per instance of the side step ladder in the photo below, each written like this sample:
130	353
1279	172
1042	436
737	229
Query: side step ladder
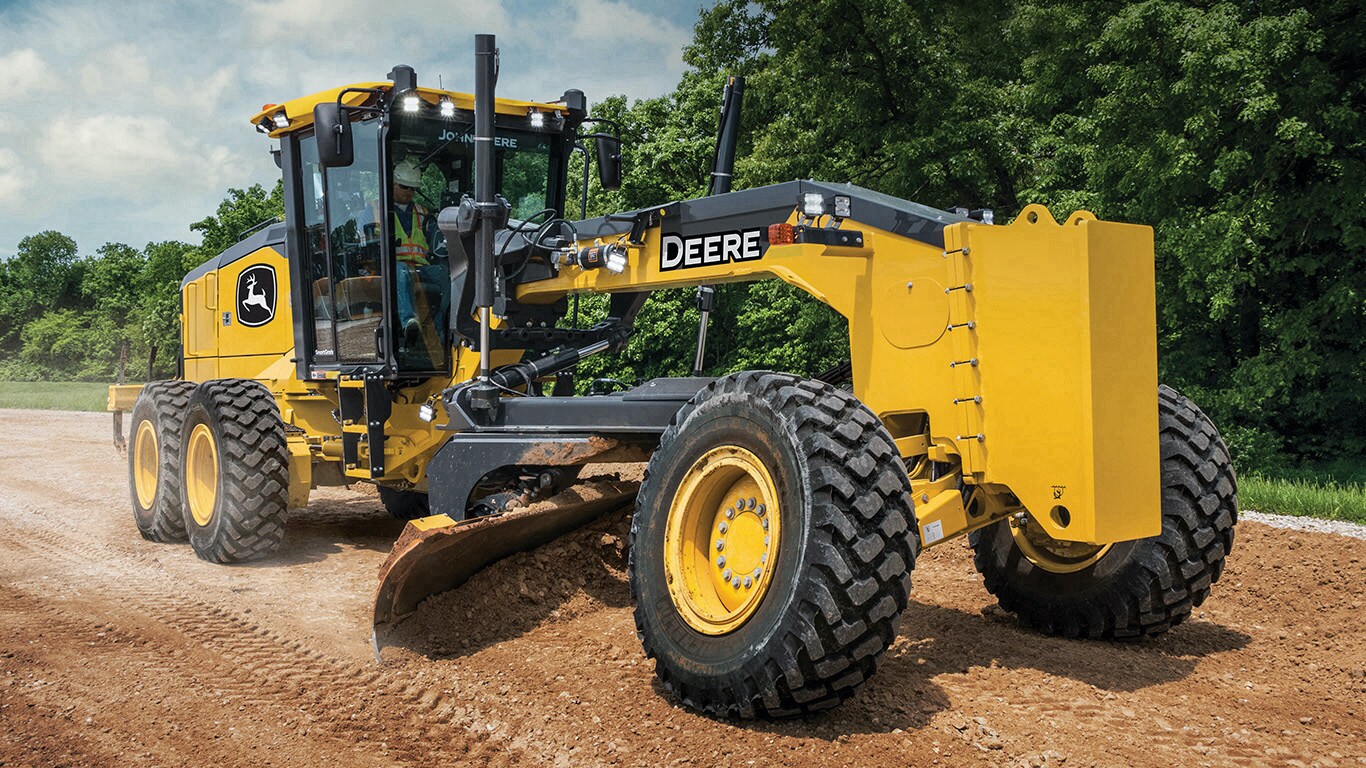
365	406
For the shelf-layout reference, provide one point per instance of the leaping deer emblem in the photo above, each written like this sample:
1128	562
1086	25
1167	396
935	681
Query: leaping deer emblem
253	297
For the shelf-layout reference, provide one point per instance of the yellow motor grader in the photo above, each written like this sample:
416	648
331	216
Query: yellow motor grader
406	325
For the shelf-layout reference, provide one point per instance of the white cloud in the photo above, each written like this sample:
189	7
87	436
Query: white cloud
12	179
26	74
132	117
131	151
114	70
355	28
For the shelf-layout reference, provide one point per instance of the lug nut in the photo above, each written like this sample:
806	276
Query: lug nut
748	582
735	584
765	521
765	541
751	502
720	545
762	510
724	527
725	575
763	557
721	561
740	504
758	572
730	513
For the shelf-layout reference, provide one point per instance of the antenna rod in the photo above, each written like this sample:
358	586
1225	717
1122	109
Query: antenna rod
722	169
485	79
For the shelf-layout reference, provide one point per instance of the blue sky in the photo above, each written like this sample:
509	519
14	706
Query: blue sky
127	121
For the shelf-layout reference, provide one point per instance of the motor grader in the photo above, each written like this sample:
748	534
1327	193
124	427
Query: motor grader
1001	384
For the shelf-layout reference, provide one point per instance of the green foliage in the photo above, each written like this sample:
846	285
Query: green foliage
43	274
1234	130
66	317
239	212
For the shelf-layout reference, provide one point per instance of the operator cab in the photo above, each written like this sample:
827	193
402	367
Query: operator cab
374	278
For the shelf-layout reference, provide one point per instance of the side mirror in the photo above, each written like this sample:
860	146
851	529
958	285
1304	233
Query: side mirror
333	129
609	161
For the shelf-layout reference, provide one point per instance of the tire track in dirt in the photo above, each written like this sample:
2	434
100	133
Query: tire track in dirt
421	724
171	680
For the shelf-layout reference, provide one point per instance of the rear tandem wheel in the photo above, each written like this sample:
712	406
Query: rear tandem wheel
771	553
154	459
236	471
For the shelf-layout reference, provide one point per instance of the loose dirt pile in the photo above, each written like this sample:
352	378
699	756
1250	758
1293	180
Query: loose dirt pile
118	652
581	573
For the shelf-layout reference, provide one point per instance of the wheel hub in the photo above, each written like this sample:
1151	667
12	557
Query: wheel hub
1052	554
146	466
721	542
201	474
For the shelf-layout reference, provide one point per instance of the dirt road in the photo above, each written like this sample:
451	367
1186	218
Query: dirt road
117	652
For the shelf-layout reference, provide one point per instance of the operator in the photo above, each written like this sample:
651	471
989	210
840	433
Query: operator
415	234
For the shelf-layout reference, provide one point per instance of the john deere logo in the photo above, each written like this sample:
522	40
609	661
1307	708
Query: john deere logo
256	295
677	252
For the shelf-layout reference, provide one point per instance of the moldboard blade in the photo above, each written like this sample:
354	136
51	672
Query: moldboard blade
436	554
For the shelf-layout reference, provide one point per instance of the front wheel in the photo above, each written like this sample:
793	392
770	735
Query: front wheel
771	553
1132	588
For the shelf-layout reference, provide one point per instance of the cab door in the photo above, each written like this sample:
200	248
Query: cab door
343	254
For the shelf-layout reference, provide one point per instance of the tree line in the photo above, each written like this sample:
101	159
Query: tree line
1233	129
65	316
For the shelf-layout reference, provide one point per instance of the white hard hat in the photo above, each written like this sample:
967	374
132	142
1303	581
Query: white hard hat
407	173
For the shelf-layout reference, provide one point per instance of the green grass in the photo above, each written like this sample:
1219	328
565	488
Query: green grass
1324	498
54	395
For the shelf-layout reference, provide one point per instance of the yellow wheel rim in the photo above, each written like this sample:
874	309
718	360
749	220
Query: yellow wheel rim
146	465
1053	555
721	541
201	474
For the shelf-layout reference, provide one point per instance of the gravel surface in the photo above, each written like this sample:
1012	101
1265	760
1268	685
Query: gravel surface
1340	527
117	652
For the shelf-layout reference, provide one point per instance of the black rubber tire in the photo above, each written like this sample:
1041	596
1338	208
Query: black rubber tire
1139	588
163	403
404	505
248	520
846	549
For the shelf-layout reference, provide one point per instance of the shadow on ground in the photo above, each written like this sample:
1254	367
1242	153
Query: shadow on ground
328	526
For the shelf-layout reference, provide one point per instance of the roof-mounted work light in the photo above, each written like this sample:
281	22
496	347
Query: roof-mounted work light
405	87
813	204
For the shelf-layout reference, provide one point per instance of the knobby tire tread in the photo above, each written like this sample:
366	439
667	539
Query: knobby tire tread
856	581
253	472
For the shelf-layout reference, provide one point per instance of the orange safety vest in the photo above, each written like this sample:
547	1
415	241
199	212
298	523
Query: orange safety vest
412	246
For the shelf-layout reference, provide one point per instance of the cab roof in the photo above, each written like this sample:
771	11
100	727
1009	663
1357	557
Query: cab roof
299	111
